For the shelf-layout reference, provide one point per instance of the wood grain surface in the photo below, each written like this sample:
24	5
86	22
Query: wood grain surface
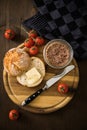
71	117
48	101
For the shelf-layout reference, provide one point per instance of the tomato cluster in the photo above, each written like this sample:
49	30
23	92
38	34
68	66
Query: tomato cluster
33	41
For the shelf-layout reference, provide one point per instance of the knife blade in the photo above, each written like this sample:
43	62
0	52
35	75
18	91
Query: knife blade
48	84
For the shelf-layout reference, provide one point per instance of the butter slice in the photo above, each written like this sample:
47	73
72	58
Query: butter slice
32	76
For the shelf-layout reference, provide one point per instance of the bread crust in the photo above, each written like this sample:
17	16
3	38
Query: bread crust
16	61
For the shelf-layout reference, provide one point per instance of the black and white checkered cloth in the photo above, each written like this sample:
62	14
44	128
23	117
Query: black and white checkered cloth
66	19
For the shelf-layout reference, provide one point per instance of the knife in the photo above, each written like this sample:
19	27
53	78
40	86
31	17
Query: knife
48	84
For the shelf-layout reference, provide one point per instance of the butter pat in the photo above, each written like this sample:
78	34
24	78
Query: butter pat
32	76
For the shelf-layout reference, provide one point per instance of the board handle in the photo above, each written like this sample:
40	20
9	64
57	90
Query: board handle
32	97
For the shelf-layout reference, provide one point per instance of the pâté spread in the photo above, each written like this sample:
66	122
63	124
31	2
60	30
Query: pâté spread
57	54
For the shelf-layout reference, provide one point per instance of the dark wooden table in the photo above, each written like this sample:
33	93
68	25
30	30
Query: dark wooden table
72	117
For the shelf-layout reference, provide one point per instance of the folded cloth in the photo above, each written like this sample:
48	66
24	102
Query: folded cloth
66	19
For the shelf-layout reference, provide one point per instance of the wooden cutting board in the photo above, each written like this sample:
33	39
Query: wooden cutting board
50	100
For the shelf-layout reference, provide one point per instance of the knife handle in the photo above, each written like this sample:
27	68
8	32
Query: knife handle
32	97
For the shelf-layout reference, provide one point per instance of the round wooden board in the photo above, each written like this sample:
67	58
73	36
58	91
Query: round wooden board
48	101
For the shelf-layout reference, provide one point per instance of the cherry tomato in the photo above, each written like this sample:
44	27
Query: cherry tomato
13	114
33	50
39	41
9	34
29	42
32	33
62	88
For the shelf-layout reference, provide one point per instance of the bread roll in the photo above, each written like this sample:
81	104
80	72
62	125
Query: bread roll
38	64
16	61
35	63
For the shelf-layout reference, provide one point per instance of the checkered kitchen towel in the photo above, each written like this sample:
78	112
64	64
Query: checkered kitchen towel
66	19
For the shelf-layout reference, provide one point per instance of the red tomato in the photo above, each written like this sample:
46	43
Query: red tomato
32	33
29	42
9	34
33	50
62	88
39	41
13	114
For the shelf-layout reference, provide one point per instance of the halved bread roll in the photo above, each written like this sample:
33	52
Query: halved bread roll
16	61
35	65
38	64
